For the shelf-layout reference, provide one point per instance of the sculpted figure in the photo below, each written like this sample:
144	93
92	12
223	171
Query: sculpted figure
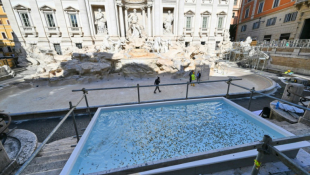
101	22
118	45
168	23
133	25
106	43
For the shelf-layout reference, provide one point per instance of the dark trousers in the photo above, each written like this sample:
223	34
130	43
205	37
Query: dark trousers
198	80
157	87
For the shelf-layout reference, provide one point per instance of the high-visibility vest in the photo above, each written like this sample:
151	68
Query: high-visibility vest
193	77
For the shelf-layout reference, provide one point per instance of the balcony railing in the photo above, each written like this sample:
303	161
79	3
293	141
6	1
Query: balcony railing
203	32
188	31
75	31
29	30
300	1
53	31
218	31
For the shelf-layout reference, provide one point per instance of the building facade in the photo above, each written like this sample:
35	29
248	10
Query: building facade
6	37
234	19
274	20
56	24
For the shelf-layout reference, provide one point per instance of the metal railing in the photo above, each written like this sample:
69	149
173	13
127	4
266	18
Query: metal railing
297	43
223	151
34	154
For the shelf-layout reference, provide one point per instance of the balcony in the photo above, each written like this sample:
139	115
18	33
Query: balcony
52	31
29	31
203	32
188	31
219	32
300	3
75	31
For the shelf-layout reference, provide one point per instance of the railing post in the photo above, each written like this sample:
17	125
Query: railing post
260	156
74	122
228	82
86	101
187	90
252	92
138	93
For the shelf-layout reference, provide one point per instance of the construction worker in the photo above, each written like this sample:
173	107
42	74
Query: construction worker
193	76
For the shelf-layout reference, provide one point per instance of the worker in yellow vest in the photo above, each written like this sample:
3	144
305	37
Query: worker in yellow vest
193	78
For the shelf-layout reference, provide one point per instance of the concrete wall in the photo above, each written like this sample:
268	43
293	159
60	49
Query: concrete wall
297	64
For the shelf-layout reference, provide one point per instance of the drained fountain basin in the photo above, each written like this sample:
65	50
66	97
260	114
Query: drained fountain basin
126	136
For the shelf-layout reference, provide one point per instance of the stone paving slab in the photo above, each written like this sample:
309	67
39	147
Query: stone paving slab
23	99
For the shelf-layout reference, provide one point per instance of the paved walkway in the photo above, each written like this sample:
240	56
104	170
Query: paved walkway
17	100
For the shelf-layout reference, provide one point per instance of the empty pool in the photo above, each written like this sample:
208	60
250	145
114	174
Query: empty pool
121	137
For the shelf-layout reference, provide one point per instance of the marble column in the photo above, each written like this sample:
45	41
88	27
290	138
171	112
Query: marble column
126	18
181	17
112	22
149	27
143	16
158	27
121	19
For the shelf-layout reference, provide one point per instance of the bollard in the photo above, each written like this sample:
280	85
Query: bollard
252	92
138	93
228	82
187	90
260	156
74	122
86	101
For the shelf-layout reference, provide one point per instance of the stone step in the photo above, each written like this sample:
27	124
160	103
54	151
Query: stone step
65	141
279	123
53	153
45	167
49	172
47	159
56	148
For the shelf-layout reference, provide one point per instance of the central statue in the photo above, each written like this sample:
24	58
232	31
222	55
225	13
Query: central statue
168	23
134	28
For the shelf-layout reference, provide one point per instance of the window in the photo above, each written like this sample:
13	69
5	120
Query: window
285	36
256	25
247	13
0	21
233	14
78	45
260	7
8	22
235	2
10	49
25	19
58	49
188	22
187	44
50	19
243	28
205	22
73	20
203	43
220	23
267	37
290	17
4	35
1	50
275	3
3	9
271	21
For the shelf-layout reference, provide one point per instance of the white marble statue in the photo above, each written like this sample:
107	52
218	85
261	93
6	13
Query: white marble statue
106	45
118	45
165	45
168	23
157	45
134	28
101	22
246	45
